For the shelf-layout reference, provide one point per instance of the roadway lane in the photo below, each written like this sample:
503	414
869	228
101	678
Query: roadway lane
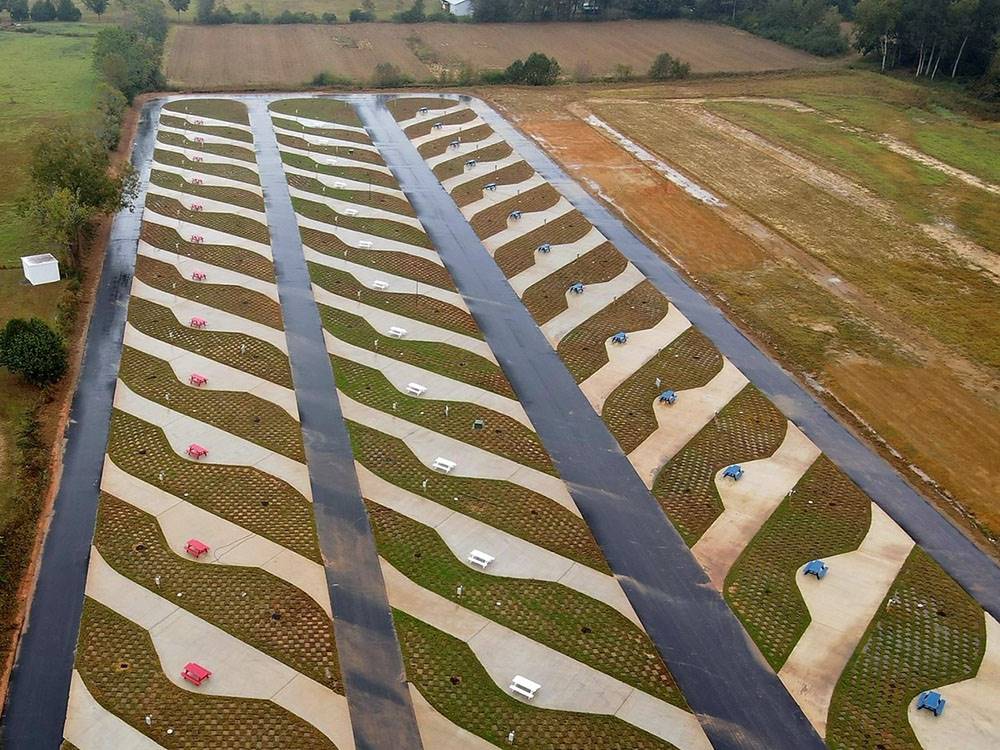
377	695
39	686
947	543
739	700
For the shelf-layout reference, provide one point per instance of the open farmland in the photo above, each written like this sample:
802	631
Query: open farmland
858	238
224	57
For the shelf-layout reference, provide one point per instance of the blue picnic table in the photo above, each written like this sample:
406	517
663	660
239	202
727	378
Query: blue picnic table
816	568
667	397
932	701
734	472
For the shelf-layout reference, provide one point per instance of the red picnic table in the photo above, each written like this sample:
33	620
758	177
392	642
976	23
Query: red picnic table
197	379
197	322
195	547
196	451
198	276
195	673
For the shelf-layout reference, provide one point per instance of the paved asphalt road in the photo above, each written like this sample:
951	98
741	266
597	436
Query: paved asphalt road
961	558
739	700
39	686
377	694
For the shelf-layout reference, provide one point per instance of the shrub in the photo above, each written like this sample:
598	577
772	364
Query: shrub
665	68
66	11
43	10
361	16
295	16
34	351
18	10
329	79
622	72
329	18
537	69
388	75
413	14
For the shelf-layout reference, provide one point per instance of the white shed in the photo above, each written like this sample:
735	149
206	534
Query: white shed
40	269
457	7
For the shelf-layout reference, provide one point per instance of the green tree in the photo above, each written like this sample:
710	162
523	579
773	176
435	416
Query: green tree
18	10
388	75
111	105
67	11
128	61
97	6
204	11
31	349
665	67
180	5
538	69
414	14
58	218
43	10
146	18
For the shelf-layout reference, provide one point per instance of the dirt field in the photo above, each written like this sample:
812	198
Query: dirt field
220	57
828	246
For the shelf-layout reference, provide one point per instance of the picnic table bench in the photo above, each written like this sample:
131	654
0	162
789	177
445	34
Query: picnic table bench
380	285
576	287
667	397
198	276
195	547
480	558
931	700
197	322
619	338
734	472
365	244
470	163
545	247
816	568
443	465
396	332
515	215
524	686
196	451
415	389
491	186
197	379
350	212
195	673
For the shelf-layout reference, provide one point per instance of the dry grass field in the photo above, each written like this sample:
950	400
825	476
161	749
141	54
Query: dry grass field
227	57
858	239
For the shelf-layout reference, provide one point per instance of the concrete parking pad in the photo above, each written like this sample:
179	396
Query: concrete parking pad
90	726
560	255
595	297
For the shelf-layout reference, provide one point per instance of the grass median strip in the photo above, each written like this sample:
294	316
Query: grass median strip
551	614
228	150
391	230
338	133
235	196
217	109
238	350
229	257
473	190
229	298
419	129
358	174
338	151
928	633
584	349
519	255
438	146
689	361
444	359
484	155
376	199
318	108
748	428
448	675
416	306
407	107
253	499
229	171
547	298
395	262
501	434
231	223
121	668
826	514
503	505
249	603
242	414
236	134
494	219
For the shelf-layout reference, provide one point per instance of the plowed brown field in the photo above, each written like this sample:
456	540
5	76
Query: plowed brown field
226	57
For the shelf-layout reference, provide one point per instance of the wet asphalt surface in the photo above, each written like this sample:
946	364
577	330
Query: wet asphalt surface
738	698
372	666
938	535
36	703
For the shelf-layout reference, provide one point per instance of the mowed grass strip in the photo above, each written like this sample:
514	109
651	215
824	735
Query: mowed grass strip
547	298
228	150
374	199
689	361
318	108
239	226
501	434
451	678
411	305
218	109
238	350
391	261
253	499
229	257
387	228
237	197
519	255
444	359
236	134
340	134
419	129
584	348
928	632
551	614
339	151
406	107
825	515
503	505
121	668
748	428
242	414
440	145
454	167
473	190
358	174
247	602
494	219
230	171
229	298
